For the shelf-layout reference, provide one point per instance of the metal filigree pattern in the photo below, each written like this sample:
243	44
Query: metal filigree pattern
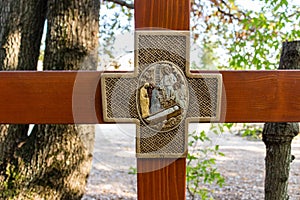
167	144
158	47
120	95
161	96
204	98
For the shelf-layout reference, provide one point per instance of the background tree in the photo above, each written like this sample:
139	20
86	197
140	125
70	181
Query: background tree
236	34
53	162
20	38
243	38
278	137
233	36
247	37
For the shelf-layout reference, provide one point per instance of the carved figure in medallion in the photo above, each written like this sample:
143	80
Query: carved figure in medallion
155	101
168	80
180	96
162	96
144	100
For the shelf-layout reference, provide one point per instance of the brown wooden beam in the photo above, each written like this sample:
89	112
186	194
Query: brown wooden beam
261	96
162	14
50	97
167	182
161	179
74	97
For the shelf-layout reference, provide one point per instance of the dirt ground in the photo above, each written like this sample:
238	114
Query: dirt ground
242	166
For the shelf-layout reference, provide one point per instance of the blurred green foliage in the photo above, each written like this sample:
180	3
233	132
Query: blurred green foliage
201	166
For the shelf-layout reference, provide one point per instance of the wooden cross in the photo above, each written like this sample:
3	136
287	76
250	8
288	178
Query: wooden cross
75	97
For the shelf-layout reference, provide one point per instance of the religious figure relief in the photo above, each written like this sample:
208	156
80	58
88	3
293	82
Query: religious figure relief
144	100
168	80
163	93
155	100
180	96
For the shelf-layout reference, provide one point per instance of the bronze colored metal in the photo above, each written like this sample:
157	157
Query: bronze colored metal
161	96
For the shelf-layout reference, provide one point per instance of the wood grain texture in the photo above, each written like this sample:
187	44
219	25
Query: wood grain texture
50	97
161	179
74	97
162	14
167	183
261	96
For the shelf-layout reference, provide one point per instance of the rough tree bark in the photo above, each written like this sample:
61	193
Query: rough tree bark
10	35
21	27
278	137
53	162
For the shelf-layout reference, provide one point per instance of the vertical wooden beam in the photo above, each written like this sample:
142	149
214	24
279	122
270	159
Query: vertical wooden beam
162	14
162	179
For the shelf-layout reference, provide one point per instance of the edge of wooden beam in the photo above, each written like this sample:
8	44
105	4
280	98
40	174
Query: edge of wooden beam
50	97
75	97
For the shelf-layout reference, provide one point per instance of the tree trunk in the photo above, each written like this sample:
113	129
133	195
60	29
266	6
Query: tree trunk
278	137
10	34
72	36
54	161
21	29
21	26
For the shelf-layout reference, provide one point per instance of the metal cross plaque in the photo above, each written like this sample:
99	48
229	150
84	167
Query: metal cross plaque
161	96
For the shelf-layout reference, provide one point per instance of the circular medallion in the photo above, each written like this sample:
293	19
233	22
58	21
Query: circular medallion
162	96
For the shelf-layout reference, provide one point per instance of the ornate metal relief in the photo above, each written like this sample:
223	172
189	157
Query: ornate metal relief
161	96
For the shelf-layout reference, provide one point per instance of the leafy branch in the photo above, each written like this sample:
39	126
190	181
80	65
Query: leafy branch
122	3
201	169
236	16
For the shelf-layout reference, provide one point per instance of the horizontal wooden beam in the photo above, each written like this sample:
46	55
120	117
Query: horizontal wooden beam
261	96
50	97
74	97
